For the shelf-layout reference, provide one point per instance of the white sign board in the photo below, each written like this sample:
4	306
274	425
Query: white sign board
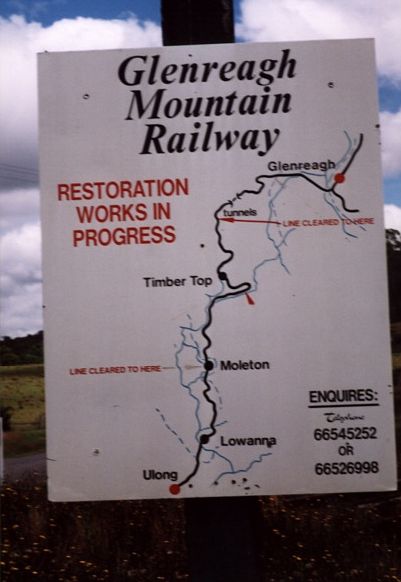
216	318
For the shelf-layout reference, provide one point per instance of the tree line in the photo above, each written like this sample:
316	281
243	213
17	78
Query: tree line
22	350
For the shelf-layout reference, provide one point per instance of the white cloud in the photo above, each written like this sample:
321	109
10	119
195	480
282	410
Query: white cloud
392	216
22	311
20	41
20	254
20	281
391	142
284	20
18	207
20	250
90	33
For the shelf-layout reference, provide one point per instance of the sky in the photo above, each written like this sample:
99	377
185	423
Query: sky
29	27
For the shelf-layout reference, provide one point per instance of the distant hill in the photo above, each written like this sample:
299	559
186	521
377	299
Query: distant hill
22	350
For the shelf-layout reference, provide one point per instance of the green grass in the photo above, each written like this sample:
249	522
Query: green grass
22	390
24	442
23	370
24	393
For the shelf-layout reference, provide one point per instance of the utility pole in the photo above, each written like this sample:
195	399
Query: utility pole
197	21
223	534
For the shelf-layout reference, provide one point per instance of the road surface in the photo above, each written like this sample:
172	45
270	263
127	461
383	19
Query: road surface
18	467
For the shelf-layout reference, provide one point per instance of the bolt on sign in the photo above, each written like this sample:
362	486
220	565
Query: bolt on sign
216	318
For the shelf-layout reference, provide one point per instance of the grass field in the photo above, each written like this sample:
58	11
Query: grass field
22	390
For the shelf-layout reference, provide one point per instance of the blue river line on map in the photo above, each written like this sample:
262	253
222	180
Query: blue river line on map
201	383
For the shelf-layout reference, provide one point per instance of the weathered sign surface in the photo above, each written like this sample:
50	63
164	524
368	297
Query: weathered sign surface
216	315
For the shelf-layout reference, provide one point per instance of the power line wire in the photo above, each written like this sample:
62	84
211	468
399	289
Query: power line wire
13	167
26	179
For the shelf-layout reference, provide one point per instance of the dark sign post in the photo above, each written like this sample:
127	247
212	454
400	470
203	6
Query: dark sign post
224	538
197	22
223	534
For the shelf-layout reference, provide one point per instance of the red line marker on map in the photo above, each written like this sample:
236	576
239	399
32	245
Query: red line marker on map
249	299
249	220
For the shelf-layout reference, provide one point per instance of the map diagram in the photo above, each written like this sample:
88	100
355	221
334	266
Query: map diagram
215	286
198	379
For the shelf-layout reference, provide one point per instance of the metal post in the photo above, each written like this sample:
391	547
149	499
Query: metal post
197	21
223	534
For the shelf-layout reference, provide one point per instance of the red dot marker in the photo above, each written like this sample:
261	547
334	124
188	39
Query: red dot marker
174	489
339	178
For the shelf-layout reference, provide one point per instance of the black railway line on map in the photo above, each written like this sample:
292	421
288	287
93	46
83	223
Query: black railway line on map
236	290
208	363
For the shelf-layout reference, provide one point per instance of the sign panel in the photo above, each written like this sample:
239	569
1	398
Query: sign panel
216	318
